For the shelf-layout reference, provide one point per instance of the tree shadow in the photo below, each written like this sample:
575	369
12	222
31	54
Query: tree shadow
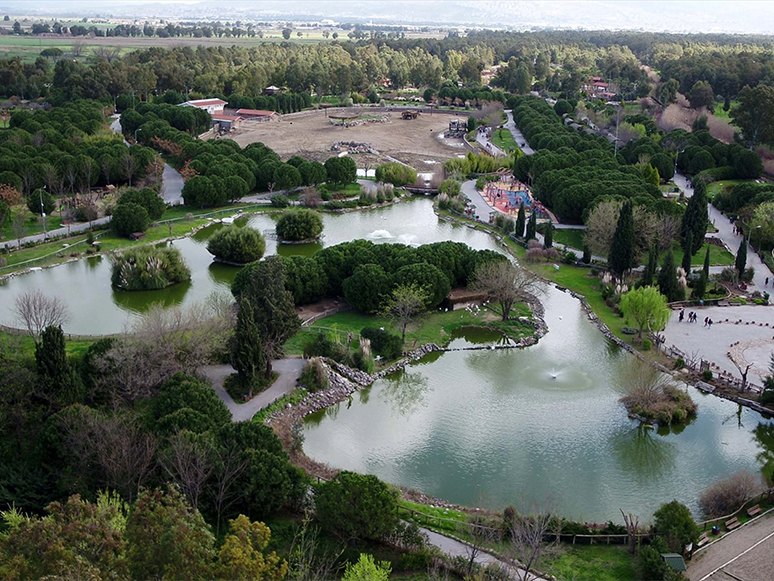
405	392
641	452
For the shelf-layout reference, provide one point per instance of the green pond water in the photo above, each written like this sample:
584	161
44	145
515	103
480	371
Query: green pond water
474	427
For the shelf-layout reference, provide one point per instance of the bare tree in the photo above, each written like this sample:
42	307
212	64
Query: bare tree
310	198
37	311
632	524
743	374
505	283
729	494
478	534
307	560
109	53
78	46
229	464
189	461
18	226
529	535
126	453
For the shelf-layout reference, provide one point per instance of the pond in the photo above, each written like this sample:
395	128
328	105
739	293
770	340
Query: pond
533	426
98	309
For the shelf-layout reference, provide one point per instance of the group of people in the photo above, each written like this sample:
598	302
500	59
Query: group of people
693	317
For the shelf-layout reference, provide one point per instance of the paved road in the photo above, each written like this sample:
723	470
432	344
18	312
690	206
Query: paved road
454	548
483	208
510	125
484	142
289	371
747	554
172	186
726	234
65	231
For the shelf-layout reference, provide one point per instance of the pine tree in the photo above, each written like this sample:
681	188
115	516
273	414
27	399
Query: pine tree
687	251
667	279
586	254
651	267
700	288
531	226
520	221
549	235
741	259
621	256
247	348
54	371
705	272
695	217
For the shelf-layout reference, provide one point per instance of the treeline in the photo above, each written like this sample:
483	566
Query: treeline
65	150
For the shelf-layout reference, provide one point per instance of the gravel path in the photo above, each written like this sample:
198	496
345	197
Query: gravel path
747	554
289	371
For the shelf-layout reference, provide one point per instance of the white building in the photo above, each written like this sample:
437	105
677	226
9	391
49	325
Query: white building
209	105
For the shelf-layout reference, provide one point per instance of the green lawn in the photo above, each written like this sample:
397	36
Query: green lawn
718	256
724	115
24	344
590	563
570	237
33	224
350	190
503	139
720	186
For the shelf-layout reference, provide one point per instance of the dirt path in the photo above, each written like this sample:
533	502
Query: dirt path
746	554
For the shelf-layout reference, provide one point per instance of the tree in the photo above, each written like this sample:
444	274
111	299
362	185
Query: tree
37	312
356	507
667	279
651	267
299	225
674	523
531	226
242	558
548	235
755	114
701	95
404	304
729	494
528	533
286	32
246	349
367	570
505	283
433	281
695	217
41	202
263	284
129	218
700	286
287	177
621	256
364	290
397	174
186	404
687	251
188	460
148	198
239	245
53	368
341	170
648	307
167	539
520	221
740	263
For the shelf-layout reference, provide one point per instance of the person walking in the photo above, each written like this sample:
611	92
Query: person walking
767	282
709	323
706	320
682	314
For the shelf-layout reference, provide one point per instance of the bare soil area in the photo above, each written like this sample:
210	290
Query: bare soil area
418	141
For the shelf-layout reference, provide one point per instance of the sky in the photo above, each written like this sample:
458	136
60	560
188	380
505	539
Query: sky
655	15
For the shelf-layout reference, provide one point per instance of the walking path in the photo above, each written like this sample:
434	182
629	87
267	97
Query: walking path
746	554
289	372
518	137
455	548
64	231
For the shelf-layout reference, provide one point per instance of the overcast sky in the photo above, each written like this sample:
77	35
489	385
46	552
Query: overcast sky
676	16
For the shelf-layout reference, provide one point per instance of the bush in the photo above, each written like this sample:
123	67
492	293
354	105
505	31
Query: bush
237	245
299	225
397	174
647	345
148	268
388	345
280	201
706	375
341	170
675	525
129	218
450	187
148	199
729	494
313	377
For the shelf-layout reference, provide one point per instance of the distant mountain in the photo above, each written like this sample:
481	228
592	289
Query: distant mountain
659	15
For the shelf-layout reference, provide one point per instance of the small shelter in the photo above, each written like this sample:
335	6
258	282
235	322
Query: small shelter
674	561
257	115
226	122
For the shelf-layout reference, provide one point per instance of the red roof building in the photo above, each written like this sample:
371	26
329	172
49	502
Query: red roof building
257	114
209	105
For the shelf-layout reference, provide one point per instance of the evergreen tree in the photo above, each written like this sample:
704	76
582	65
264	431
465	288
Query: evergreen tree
705	271
695	217
247	348
687	251
650	268
586	254
667	279
549	236
741	259
53	368
521	220
531	226
621	256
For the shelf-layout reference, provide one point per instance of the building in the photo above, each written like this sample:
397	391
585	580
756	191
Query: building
210	105
271	90
258	115
225	122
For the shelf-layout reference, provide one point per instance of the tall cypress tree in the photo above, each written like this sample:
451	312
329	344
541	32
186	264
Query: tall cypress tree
521	220
549	235
54	371
705	272
650	268
247	348
621	256
687	251
695	217
741	258
531	226
667	279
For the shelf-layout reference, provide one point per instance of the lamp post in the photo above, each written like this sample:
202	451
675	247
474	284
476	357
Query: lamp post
43	213
135	133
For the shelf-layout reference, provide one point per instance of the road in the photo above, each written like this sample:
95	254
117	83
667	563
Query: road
730	238
746	554
289	371
521	142
65	231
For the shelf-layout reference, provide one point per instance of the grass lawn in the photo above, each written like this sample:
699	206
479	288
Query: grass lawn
590	563
349	190
503	139
24	344
724	115
434	328
570	237
721	186
718	256
32	225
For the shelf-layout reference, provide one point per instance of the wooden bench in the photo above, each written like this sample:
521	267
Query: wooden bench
754	511
732	524
703	540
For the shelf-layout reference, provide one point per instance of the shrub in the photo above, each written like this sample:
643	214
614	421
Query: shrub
129	218
729	494
341	170
388	345
647	345
397	174
450	187
280	201
237	245
148	268
706	375
314	377
299	225
679	363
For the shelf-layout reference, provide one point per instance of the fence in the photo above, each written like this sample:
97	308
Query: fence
766	495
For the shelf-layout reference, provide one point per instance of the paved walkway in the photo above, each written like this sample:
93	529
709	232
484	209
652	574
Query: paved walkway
746	554
64	231
289	372
455	548
518	137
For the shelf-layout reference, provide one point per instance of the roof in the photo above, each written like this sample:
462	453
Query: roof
222	117
675	561
272	88
205	102
256	112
